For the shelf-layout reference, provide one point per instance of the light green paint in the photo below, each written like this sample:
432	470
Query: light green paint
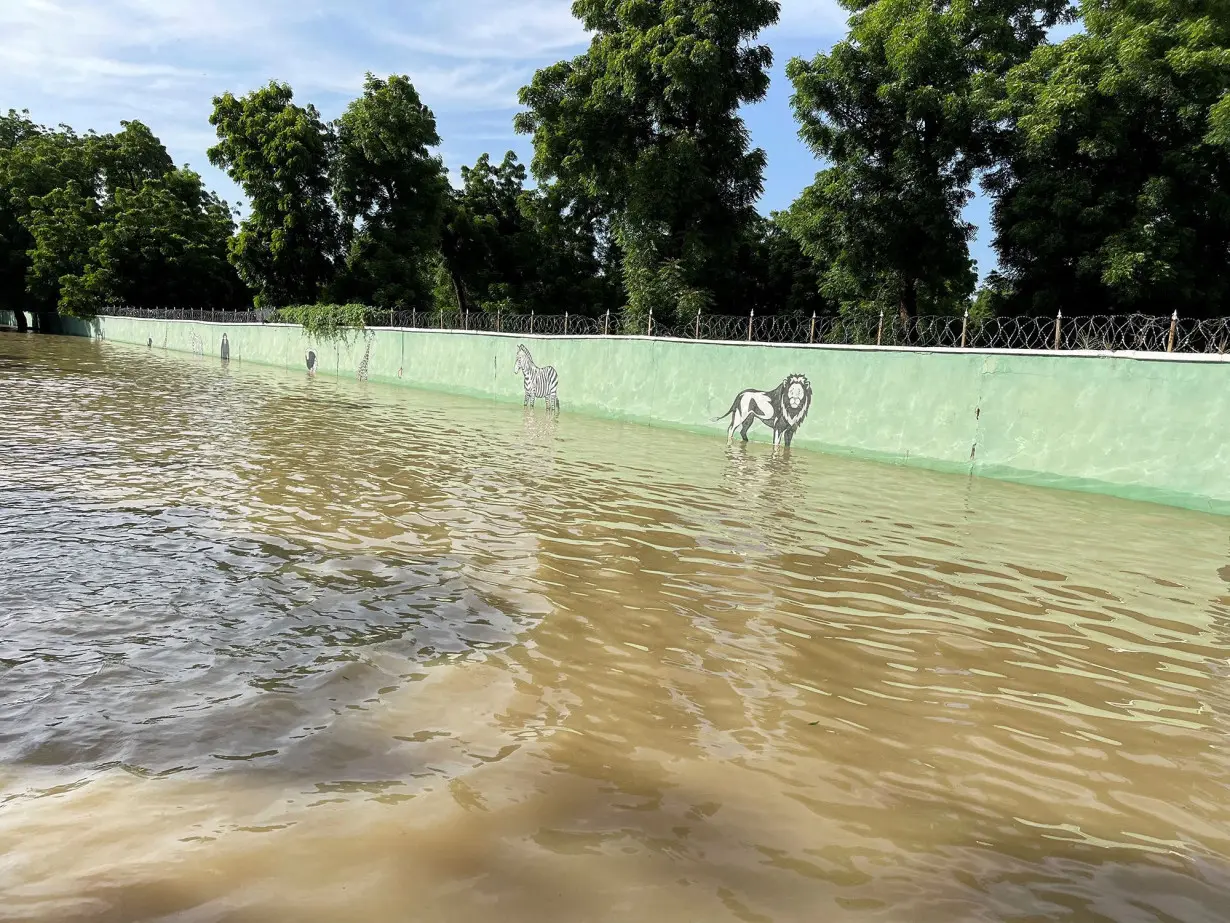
1138	426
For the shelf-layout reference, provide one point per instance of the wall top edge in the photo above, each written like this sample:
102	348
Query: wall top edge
831	347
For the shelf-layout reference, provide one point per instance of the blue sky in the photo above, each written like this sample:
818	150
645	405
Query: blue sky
91	63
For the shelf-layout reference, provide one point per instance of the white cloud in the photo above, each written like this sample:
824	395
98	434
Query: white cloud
91	63
805	19
494	29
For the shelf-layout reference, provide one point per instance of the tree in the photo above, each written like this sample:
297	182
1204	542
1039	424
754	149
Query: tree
391	192
776	276
15	127
522	250
129	158
1114	190
290	246
895	109
164	243
484	242
645	124
577	265
34	162
106	219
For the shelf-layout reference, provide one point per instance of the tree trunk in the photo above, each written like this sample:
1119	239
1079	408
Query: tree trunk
907	310
459	291
21	320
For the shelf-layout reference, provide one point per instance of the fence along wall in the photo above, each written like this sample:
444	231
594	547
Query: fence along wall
1137	426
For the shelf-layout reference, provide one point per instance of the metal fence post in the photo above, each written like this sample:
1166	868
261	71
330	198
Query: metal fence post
1174	322
811	336
606	322
964	327
751	318
697	324
390	317
499	316
565	323
1058	325
531	320
880	329
649	326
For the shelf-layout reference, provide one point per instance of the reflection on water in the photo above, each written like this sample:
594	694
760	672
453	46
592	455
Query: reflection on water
277	647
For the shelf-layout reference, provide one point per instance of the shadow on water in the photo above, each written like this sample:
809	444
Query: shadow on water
593	849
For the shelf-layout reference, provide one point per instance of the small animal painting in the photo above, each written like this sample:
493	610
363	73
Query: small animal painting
311	362
226	349
782	410
539	382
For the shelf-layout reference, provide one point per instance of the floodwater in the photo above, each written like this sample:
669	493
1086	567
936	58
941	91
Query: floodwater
275	648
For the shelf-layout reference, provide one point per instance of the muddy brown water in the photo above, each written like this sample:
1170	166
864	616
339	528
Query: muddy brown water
280	648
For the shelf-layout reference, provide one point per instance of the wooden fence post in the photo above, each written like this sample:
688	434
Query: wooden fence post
1058	326
1174	323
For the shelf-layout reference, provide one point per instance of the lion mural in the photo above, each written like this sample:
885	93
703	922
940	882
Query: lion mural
782	409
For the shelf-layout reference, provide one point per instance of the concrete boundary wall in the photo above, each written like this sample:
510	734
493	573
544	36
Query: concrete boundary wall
1140	426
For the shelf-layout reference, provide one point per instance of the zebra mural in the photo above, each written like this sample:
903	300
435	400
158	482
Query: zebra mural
539	382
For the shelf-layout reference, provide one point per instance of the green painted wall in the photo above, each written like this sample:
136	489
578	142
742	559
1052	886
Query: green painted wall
1136	426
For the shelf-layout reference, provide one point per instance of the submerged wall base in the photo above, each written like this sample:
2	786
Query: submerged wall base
1137	426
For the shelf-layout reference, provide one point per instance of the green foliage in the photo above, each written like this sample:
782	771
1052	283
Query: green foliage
34	162
290	246
91	220
1107	157
517	250
485	237
1112	193
895	110
645	125
327	321
128	159
391	192
164	243
776	276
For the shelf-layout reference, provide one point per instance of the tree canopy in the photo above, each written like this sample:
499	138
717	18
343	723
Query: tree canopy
895	108
1105	156
289	248
646	124
390	191
93	220
1111	195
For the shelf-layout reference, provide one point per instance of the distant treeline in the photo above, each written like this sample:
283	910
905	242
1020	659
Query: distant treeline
1106	158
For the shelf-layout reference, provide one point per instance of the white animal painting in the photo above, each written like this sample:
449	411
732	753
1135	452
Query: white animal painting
539	382
782	409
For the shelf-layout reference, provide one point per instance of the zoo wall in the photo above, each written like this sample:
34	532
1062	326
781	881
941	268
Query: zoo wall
1138	426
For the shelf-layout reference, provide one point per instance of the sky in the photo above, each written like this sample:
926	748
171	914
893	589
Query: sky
92	63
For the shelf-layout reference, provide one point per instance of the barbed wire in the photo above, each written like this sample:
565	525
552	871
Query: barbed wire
1100	332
